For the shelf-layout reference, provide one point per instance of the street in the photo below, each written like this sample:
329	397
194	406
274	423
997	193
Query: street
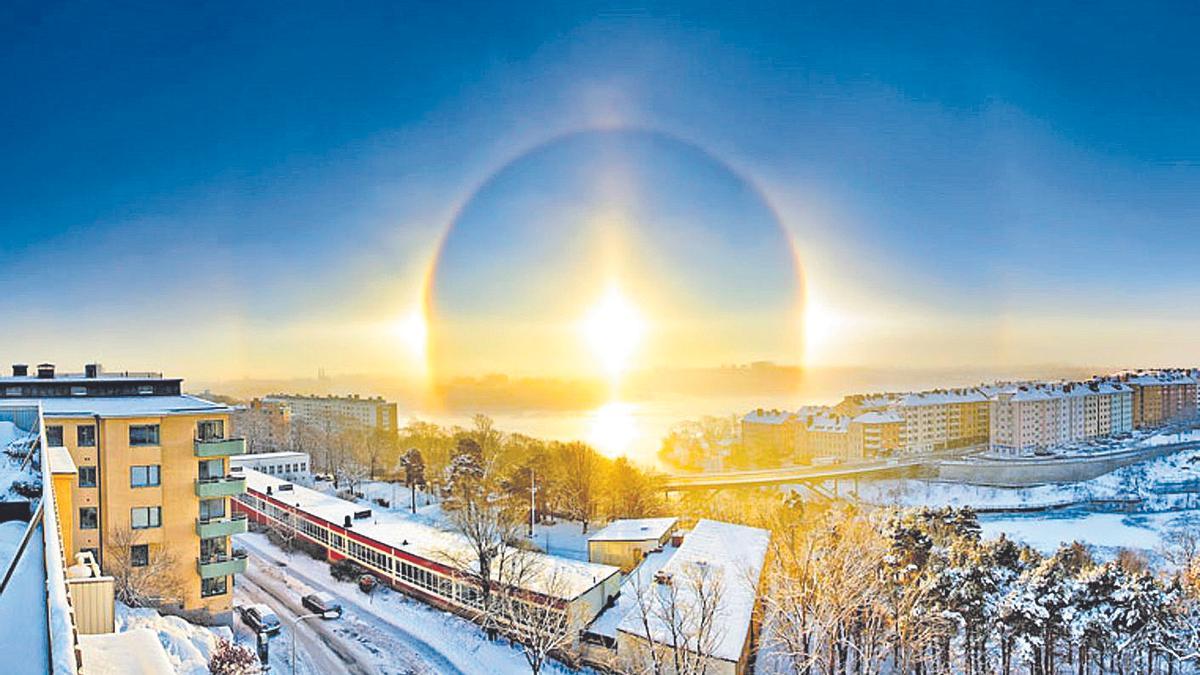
345	645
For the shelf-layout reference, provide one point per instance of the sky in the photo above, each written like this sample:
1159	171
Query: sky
230	190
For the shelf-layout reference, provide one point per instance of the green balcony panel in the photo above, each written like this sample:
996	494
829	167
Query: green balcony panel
227	447
220	527
220	487
220	567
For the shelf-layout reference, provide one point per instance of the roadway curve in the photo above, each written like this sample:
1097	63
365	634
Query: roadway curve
805	474
372	631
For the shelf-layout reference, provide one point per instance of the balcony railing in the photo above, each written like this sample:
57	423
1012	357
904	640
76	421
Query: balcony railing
220	447
220	486
221	527
221	565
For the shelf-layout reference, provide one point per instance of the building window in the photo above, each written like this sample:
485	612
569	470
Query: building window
139	555
54	436
210	430
85	435
143	434
211	509
87	476
212	468
215	586
145	517
89	518
144	476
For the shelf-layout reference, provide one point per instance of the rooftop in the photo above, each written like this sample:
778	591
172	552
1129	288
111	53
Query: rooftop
635	529
552	576
123	406
734	556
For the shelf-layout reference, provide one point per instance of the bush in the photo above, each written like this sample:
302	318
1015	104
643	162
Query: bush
346	570
231	659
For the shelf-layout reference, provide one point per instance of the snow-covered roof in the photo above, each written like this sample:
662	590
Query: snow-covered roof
942	397
133	652
123	406
829	423
1159	378
551	576
760	416
60	460
887	417
635	529
730	555
266	457
642	576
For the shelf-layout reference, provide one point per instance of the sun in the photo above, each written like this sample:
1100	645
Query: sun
614	329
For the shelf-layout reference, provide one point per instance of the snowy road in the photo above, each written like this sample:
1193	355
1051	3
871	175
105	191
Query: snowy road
314	654
371	643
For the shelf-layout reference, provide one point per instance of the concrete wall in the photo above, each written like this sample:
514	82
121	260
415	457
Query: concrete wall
1020	472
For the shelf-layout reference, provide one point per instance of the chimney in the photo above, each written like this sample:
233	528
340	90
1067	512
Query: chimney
45	371
347	524
20	370
91	371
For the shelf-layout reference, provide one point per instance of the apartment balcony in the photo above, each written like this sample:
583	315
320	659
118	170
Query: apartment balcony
221	527
221	565
221	447
221	486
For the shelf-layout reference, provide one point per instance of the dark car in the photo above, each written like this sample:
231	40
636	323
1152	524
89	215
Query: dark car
322	603
259	618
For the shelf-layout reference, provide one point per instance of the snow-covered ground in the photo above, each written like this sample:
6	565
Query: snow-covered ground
449	643
188	646
1107	532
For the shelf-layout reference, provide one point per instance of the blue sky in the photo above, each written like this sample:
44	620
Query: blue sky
955	173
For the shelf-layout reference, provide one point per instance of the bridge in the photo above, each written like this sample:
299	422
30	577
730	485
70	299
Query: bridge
893	466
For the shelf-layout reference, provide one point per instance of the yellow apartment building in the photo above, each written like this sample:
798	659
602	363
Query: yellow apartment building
152	465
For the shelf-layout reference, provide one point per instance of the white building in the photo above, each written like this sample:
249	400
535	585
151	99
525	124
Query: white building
374	412
937	420
293	466
1041	416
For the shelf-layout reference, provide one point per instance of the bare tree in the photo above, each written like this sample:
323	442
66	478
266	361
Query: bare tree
581	473
140	581
679	622
488	526
543	623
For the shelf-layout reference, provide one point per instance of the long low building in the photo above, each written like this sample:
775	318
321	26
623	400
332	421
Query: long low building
429	563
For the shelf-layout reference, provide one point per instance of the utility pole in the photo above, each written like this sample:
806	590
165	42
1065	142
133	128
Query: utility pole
532	503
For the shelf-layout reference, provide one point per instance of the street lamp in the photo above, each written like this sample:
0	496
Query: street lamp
296	625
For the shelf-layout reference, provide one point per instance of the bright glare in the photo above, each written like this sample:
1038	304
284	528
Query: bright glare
613	329
612	429
414	333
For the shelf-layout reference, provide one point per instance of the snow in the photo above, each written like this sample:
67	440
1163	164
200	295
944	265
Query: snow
554	576
1106	531
131	653
460	645
735	554
642	576
23	604
188	647
122	406
635	529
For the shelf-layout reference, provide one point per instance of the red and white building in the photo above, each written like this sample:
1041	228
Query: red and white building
431	564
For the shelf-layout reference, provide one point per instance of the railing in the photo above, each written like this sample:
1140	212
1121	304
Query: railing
221	526
221	565
219	447
220	486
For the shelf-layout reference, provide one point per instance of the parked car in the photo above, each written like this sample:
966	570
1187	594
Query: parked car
259	618
322	603
366	583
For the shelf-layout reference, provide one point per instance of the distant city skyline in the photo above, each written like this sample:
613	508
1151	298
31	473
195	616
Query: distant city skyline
242	192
